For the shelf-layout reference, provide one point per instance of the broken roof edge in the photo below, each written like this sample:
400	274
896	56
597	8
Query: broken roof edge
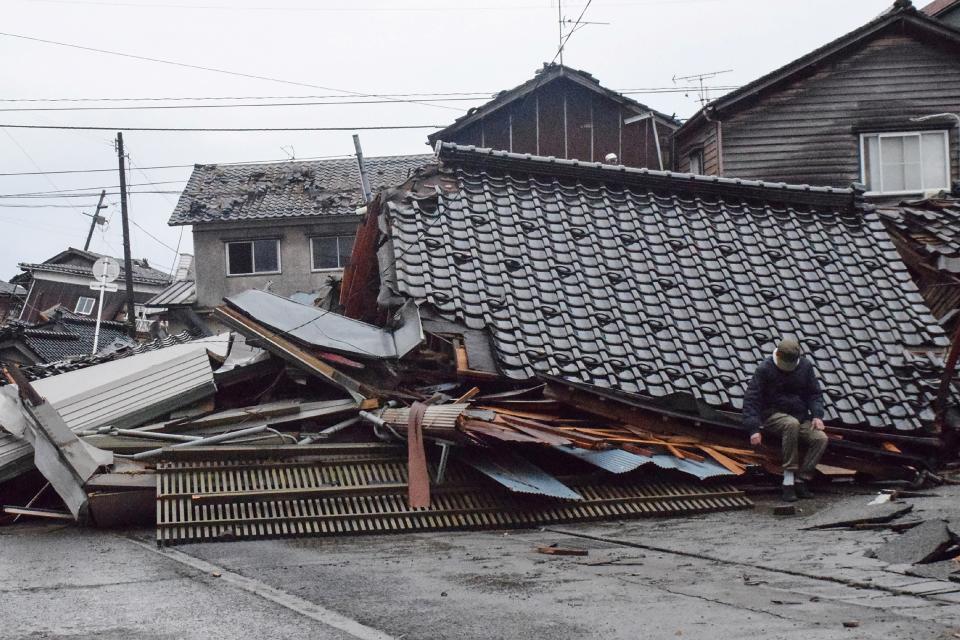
544	76
901	11
849	198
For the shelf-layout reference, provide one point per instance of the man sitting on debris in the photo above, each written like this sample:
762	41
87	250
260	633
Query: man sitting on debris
784	398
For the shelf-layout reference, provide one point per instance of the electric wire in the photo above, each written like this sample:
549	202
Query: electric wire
218	129
204	68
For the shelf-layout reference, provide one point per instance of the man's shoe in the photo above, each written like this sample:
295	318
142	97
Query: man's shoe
789	493
803	492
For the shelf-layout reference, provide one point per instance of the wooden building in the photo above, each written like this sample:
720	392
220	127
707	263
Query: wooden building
848	112
64	281
566	113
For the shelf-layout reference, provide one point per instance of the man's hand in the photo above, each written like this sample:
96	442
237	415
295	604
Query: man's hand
756	440
818	424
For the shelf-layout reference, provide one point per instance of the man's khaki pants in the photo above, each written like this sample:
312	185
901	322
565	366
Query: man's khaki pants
792	434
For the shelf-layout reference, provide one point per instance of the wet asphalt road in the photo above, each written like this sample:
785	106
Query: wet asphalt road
727	575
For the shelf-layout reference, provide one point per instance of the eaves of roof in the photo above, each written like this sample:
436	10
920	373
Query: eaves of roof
85	272
547	75
903	12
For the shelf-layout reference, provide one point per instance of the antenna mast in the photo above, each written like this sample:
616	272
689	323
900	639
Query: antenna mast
704	91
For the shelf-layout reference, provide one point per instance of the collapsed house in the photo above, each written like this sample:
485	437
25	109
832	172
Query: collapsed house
640	294
525	341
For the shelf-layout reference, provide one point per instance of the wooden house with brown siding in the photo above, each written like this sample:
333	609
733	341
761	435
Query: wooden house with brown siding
848	112
566	113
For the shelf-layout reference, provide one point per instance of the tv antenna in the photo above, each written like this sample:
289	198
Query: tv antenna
564	33
703	92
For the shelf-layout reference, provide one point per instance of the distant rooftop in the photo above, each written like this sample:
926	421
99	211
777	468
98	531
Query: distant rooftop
231	192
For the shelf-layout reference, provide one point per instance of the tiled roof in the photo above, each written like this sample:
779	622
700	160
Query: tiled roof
113	350
59	339
228	192
143	273
664	285
10	289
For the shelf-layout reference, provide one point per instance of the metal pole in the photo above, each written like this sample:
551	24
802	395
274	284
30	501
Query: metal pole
96	217
96	331
223	437
127	260
364	181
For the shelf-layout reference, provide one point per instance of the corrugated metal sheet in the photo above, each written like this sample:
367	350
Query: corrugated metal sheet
355	497
517	474
620	461
121	393
178	293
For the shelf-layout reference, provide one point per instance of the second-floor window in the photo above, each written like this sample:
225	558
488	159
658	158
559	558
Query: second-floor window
696	161
84	306
253	256
905	162
330	252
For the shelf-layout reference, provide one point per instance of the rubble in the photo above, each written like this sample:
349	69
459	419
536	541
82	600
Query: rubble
487	373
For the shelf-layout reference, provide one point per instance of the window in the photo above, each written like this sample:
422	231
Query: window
84	306
911	162
330	252
696	161
254	256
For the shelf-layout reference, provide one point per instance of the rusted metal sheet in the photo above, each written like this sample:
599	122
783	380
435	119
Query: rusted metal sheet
418	494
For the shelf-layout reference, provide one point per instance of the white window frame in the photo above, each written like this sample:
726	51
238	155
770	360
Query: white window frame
902	134
339	256
253	258
92	305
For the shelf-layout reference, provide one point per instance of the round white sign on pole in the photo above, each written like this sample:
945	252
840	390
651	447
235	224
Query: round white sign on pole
106	269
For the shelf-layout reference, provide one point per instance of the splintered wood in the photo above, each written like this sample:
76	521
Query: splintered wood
519	422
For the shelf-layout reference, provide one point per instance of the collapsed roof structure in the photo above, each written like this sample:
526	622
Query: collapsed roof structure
927	234
662	290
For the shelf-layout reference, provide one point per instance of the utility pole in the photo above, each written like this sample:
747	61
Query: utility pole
96	219
127	260
364	180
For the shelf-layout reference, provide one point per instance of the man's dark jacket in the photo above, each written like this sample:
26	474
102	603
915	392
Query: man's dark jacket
772	390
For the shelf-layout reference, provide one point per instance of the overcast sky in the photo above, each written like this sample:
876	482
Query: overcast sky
363	46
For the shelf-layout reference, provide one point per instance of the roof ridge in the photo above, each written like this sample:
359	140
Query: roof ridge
294	161
449	151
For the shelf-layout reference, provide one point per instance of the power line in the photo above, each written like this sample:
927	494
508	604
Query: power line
91	194
220	129
433	94
236	106
203	68
112	186
169	166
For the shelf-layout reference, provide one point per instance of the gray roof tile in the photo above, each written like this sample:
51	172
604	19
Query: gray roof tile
230	192
654	284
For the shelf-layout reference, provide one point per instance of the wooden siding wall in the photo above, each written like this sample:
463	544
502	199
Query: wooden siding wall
566	120
808	132
704	139
46	294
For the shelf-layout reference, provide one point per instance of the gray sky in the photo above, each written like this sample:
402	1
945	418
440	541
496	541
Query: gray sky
365	46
